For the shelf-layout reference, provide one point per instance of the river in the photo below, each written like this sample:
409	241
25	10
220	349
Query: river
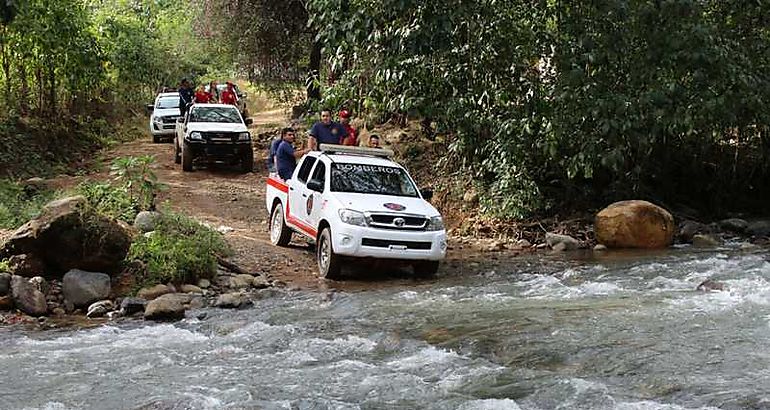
540	332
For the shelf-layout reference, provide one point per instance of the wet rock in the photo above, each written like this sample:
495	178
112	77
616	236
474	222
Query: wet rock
600	247
129	306
709	285
67	235
146	221
82	288
260	282
495	246
241	281
736	225
230	301
197	302
100	308
5	283
634	224
204	283
747	246
26	298
6	302
201	316
705	241
58	311
688	229
26	265
114	314
153	292
759	228
561	242
191	289
164	308
523	243
182	298
40	284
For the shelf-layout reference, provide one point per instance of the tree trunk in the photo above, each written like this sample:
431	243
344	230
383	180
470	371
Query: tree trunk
23	88
40	90
313	88
6	66
52	90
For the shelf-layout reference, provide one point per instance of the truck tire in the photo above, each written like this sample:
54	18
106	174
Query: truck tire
187	158
280	234
177	154
329	263
247	162
425	269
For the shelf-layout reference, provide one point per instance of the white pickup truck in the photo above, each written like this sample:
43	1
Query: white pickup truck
356	203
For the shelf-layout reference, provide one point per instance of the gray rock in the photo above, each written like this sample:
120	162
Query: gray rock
26	298
241	281
146	221
709	285
705	241
600	247
129	306
688	229
26	265
40	284
561	242
165	307
523	243
100	308
154	292
191	289
230	301
260	282
197	302
734	225
204	283
59	311
5	283
759	228
82	288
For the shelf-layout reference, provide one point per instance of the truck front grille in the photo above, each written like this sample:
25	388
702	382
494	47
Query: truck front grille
386	243
398	221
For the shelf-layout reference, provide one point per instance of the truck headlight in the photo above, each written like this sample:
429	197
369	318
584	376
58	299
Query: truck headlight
196	136
435	224
352	217
157	120
244	136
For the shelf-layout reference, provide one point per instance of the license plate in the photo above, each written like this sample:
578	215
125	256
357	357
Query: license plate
397	247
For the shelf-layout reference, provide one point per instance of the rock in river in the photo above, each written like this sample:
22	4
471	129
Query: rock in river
82	288
166	307
26	298
634	224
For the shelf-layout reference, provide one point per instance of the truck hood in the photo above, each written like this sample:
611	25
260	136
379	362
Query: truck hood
215	127
377	203
165	112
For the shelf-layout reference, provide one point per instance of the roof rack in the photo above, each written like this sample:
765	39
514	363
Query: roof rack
350	150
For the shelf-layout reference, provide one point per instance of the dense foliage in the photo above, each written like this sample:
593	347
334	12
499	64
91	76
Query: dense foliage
552	103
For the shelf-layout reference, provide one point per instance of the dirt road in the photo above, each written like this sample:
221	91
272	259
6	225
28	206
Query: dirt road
234	203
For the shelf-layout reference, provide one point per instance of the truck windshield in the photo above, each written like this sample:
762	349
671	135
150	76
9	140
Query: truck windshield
167	102
371	179
215	114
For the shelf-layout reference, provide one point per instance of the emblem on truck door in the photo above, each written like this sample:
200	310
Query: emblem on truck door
394	207
309	204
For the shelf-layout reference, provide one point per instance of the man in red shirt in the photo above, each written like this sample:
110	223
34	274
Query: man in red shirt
352	134
228	95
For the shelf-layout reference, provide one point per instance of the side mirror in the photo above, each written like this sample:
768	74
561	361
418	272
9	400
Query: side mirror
315	185
150	107
426	193
248	121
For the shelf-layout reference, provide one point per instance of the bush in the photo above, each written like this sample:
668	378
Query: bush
180	250
19	204
109	200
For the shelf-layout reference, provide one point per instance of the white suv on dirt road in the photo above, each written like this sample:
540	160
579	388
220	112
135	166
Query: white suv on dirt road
165	111
356	202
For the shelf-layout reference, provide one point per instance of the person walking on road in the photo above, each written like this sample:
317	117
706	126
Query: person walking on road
352	133
326	131
273	149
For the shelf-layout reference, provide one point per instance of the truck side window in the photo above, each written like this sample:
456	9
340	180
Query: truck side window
319	173
304	169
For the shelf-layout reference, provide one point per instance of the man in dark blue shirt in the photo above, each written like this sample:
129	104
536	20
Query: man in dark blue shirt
286	157
326	131
271	164
186	95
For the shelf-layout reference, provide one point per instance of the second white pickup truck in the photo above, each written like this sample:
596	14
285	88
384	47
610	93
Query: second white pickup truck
356	203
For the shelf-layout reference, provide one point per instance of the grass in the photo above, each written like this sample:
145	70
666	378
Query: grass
180	250
109	200
20	203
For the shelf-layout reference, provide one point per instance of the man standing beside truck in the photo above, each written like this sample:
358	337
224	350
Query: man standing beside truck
286	157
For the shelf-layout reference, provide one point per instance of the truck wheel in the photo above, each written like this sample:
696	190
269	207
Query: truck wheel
280	234
425	269
247	162
329	264
187	158
177	155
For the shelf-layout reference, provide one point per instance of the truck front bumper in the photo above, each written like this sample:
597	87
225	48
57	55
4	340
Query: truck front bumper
165	130
219	151
389	244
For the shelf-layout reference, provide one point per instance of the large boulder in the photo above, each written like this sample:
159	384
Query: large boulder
68	234
26	265
634	224
153	292
26	298
129	306
81	288
5	283
561	242
166	307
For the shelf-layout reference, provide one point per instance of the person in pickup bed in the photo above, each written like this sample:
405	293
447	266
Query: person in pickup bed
201	96
286	156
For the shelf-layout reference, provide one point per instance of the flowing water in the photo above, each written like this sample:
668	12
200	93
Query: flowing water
613	333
